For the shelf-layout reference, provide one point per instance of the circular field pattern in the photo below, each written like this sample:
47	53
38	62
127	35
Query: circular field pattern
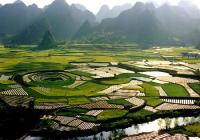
48	79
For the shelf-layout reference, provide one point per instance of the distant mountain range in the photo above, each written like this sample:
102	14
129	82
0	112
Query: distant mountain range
80	7
27	25
146	24
142	23
105	12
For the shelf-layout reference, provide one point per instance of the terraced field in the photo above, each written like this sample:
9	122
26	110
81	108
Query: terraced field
89	92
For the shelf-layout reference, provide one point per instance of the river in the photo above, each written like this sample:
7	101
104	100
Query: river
156	125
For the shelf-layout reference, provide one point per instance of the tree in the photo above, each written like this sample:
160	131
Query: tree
47	42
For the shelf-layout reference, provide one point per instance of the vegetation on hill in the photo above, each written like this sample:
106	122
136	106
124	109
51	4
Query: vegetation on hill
143	24
47	42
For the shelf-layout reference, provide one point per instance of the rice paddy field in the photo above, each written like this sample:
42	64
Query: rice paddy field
23	56
86	87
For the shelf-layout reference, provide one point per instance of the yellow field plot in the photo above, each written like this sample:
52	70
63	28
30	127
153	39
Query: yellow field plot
195	66
151	109
94	112
75	123
104	72
57	59
99	99
49	106
64	120
16	101
15	92
7	82
173	51
101	105
190	61
6	63
170	106
109	59
136	101
87	126
115	88
161	91
76	84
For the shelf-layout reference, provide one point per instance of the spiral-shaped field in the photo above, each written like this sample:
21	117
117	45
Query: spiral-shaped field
48	79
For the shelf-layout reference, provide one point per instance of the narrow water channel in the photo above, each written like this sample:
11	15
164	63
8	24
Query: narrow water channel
156	125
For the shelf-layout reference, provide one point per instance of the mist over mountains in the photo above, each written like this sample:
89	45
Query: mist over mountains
106	12
141	23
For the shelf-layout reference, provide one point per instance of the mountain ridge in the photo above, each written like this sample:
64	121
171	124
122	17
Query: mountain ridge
143	23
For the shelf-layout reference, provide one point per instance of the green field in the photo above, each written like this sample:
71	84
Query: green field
87	89
195	87
78	100
141	114
150	90
119	102
195	128
49	77
115	81
7	82
51	100
23	58
175	90
72	112
111	114
192	130
152	101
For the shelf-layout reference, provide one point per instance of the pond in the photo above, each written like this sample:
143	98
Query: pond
156	125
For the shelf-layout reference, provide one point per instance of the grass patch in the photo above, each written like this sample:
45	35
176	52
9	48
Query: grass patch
86	89
51	100
175	90
125	75
33	93
111	114
3	87
88	118
78	110
37	66
141	114
115	81
7	82
119	102
78	100
133	88
150	90
195	87
152	101
71	112
194	128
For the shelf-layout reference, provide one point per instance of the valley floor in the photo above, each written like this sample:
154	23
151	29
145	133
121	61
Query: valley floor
89	88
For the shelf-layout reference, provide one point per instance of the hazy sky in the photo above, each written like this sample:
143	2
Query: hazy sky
94	5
